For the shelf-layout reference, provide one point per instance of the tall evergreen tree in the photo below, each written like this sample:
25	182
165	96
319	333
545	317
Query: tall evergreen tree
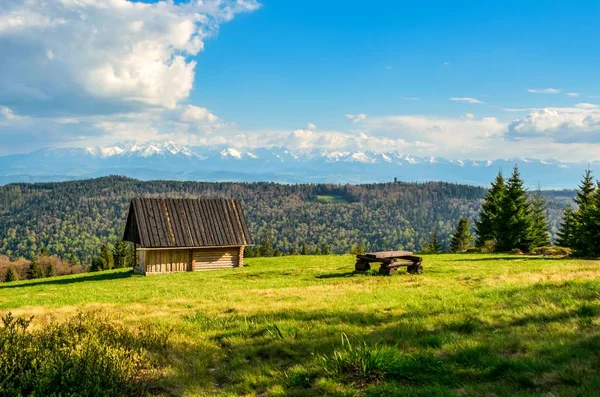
122	254
462	238
266	248
539	234
568	228
514	222
34	271
593	224
486	226
11	275
106	255
433	246
584	240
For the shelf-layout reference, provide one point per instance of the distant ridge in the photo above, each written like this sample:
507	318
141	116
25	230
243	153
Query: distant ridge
168	160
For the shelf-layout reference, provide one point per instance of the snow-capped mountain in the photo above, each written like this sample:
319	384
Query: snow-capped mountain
168	160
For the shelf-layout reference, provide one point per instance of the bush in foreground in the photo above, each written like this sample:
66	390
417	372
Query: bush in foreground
89	355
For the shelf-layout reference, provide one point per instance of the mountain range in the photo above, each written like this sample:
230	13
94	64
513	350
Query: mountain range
168	160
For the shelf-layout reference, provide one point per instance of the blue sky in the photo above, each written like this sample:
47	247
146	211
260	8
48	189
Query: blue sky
473	79
293	62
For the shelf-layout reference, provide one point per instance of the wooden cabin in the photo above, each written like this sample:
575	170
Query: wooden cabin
183	235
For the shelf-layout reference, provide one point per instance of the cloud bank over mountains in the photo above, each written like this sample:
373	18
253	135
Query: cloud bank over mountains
94	72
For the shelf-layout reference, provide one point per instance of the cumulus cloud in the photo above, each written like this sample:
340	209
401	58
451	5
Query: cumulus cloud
545	91
466	99
564	125
356	118
105	54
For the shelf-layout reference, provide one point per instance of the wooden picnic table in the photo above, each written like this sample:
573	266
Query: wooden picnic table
390	261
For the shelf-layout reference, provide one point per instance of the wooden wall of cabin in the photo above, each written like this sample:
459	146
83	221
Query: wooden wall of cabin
217	258
166	261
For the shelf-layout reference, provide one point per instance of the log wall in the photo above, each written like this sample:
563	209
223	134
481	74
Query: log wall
166	261
185	260
216	258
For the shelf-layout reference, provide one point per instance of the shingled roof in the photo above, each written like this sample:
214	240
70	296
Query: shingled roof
172	223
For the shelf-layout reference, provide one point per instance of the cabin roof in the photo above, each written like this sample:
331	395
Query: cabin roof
172	223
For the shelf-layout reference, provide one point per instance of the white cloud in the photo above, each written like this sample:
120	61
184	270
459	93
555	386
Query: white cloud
468	116
7	114
587	106
466	99
563	125
356	118
545	91
311	127
105	53
410	98
573	94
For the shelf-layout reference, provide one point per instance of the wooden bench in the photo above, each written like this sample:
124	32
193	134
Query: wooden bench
390	262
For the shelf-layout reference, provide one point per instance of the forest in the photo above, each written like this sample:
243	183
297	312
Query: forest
74	219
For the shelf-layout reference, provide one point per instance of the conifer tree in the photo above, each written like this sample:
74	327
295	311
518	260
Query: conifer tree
122	254
50	270
107	259
462	238
584	240
266	248
514	221
568	228
303	249
593	222
539	234
326	250
34	271
486	227
11	275
433	246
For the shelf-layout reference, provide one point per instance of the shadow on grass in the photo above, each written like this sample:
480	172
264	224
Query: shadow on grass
340	275
509	258
100	276
285	348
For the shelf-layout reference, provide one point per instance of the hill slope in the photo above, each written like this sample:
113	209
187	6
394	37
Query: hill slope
470	325
75	218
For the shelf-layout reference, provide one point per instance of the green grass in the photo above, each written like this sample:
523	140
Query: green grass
470	325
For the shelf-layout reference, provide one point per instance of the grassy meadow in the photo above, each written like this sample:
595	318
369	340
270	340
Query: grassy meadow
470	325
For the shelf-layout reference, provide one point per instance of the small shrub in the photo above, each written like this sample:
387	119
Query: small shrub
361	363
89	355
488	246
516	251
552	251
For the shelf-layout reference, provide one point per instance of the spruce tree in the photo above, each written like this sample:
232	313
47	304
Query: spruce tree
486	226
514	222
50	270
304	249
121	254
568	228
593	222
34	271
11	275
266	248
462	238
433	246
107	259
539	234
584	239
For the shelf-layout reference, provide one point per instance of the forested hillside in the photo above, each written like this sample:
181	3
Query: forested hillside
73	219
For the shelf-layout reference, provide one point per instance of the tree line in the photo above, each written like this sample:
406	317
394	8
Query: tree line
510	219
